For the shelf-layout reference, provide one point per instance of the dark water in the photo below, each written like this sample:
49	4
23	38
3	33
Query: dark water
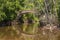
28	32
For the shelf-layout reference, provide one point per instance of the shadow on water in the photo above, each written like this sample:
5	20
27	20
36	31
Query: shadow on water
27	31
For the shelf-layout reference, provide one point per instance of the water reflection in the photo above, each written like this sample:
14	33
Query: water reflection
28	32
30	28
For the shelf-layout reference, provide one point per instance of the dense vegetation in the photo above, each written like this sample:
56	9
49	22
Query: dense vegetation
9	9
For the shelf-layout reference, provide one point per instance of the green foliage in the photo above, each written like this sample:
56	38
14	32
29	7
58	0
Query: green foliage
8	9
39	4
58	9
2	16
29	17
24	18
32	17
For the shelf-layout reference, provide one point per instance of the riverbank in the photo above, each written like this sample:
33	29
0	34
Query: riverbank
15	33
